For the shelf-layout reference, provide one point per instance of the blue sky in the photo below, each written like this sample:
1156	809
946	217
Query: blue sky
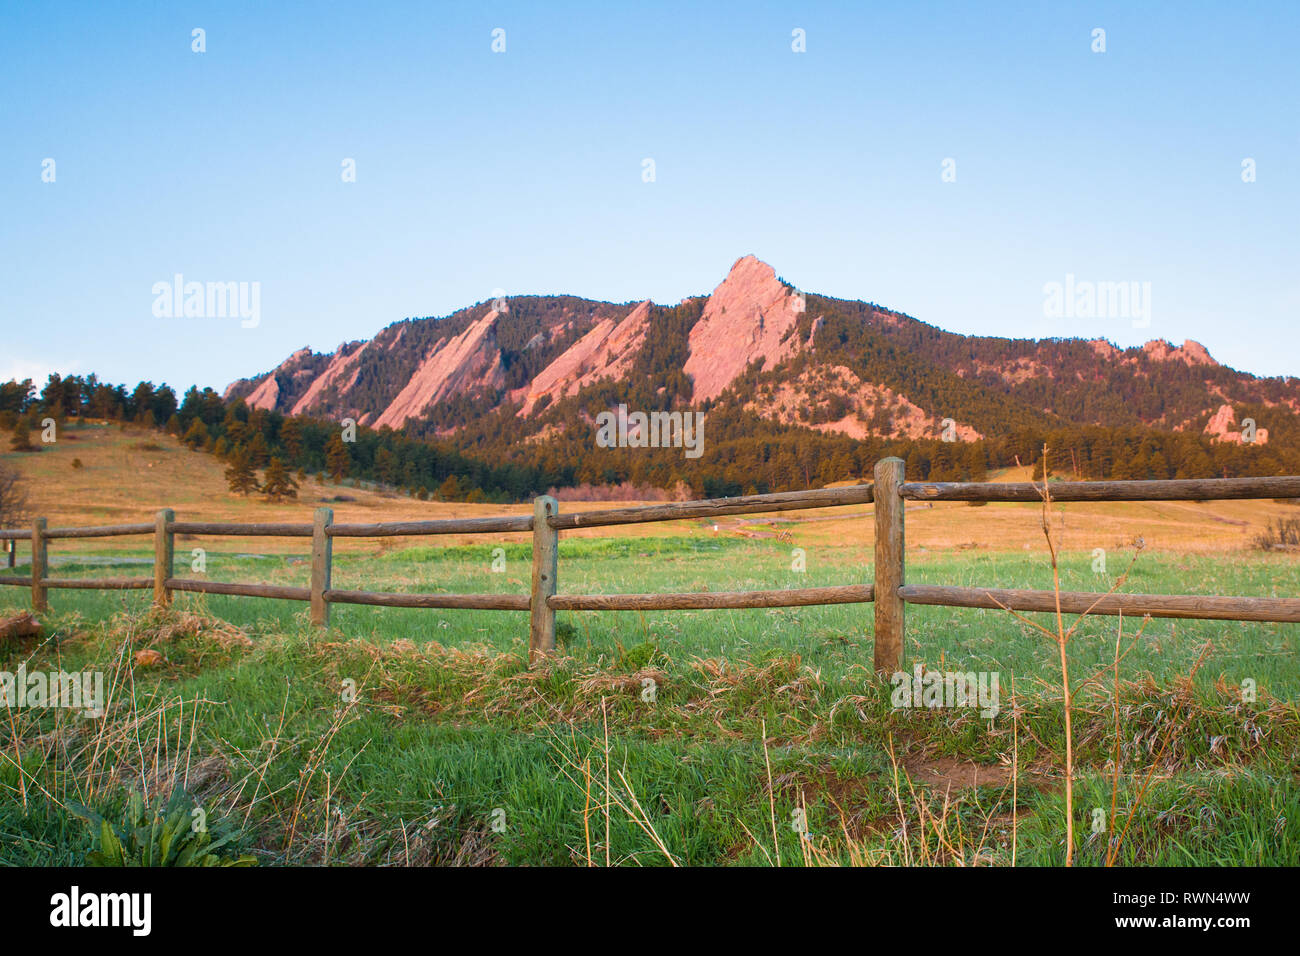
522	170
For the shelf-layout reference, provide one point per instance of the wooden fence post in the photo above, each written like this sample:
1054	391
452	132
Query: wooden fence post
546	540
322	558
889	565
40	558
163	557
11	546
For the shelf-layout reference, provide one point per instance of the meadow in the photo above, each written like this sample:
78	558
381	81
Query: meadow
411	737
407	735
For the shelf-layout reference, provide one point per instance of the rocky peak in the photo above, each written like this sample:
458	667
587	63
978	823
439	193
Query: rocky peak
747	317
1190	352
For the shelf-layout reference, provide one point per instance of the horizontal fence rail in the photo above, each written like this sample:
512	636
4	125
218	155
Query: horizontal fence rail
704	600
246	530
715	507
1179	489
472	602
240	590
1204	607
100	584
889	591
503	525
101	531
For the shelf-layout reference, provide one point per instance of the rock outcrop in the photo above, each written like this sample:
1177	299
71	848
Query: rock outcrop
1220	429
343	363
466	361
606	351
864	410
265	395
1190	352
748	317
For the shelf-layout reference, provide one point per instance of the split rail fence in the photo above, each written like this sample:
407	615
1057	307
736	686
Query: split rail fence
889	590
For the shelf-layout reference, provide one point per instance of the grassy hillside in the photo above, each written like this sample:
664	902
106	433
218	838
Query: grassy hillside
128	474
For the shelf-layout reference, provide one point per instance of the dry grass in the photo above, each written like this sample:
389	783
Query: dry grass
141	742
129	474
606	793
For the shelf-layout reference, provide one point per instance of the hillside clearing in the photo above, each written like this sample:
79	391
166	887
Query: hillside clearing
127	474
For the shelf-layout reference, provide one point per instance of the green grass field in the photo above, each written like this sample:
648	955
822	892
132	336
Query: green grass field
418	736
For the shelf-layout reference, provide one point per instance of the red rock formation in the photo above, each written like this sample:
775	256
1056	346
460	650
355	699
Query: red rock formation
746	318
273	390
1190	352
265	395
785	401
1103	348
606	351
1196	354
1219	428
750	316
339	366
469	360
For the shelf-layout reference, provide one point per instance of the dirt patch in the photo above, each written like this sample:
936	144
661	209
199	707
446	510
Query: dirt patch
827	785
950	773
848	800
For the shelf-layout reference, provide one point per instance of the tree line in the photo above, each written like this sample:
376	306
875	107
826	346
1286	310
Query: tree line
497	456
249	440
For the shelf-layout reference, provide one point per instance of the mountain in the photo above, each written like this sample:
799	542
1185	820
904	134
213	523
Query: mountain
763	350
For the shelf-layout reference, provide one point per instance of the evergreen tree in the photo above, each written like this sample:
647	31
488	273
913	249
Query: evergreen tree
449	490
337	459
277	483
1158	466
240	476
259	451
196	434
291	438
385	465
236	430
22	440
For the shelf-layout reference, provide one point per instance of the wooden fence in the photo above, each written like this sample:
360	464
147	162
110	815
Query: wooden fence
889	590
